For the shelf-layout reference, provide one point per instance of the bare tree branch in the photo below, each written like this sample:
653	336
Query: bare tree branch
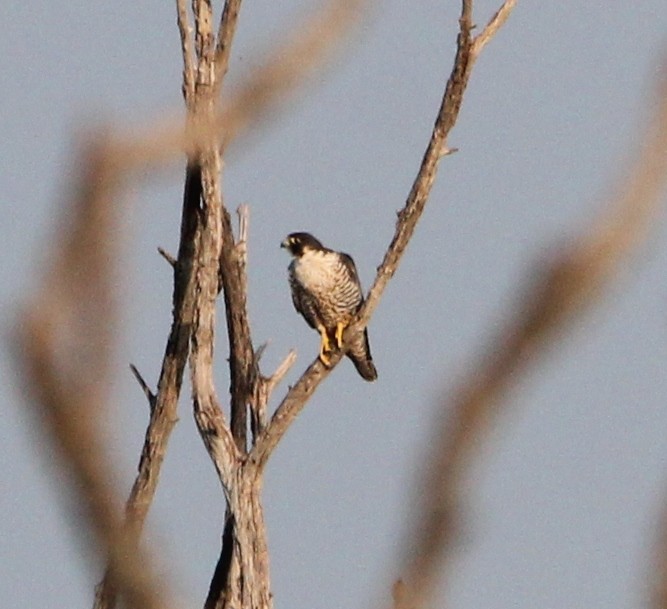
219	268
243	368
290	407
164	414
204	41
242	363
187	49
226	31
421	188
167	256
150	396
563	288
264	390
408	217
210	420
493	26
282	369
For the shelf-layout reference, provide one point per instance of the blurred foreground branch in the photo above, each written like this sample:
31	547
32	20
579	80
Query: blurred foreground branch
288	66
64	348
562	288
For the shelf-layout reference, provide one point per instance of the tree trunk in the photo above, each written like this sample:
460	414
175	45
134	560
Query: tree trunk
248	582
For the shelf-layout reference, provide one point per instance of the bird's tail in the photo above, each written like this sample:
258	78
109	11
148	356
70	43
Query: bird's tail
359	351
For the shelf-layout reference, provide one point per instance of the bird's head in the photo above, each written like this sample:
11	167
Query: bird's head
299	243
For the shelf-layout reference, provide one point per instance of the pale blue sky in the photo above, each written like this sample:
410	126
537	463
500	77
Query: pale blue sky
564	504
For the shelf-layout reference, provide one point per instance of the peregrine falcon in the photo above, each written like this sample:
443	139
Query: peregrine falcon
327	293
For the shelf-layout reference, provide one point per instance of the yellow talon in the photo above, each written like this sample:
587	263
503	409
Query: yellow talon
325	346
340	328
325	359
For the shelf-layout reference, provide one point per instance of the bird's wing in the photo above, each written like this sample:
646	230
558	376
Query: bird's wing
351	270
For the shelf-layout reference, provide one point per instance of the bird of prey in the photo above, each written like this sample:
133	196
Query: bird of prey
327	292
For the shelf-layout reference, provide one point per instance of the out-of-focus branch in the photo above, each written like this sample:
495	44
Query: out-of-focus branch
285	71
408	217
164	411
278	78
67	334
563	288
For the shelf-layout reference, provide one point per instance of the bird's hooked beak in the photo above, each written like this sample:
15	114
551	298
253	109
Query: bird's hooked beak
284	244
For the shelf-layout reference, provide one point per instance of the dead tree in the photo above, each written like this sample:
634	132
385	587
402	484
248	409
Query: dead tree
73	310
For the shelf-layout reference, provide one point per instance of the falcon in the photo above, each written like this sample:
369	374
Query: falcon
327	292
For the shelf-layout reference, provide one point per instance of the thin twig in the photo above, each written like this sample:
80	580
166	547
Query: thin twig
167	256
282	369
150	396
264	389
243	213
493	26
259	352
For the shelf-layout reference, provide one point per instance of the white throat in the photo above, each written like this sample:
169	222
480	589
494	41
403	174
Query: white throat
316	269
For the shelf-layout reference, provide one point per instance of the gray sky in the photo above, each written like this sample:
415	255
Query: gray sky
563	506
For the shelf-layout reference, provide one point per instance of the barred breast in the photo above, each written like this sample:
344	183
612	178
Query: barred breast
326	278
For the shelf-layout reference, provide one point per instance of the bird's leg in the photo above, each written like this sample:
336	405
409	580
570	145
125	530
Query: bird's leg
340	328
325	346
